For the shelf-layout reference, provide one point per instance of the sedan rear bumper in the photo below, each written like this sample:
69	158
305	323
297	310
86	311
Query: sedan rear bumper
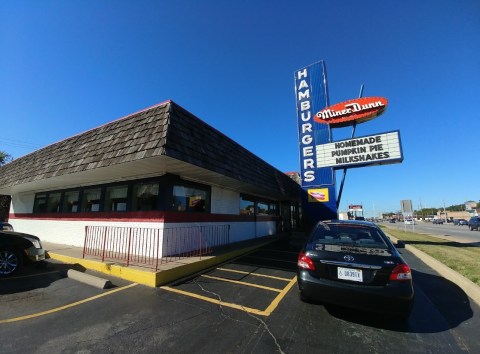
396	298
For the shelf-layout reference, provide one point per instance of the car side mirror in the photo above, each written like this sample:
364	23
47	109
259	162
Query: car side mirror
400	244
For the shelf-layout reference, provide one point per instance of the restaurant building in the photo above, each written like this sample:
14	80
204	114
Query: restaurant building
161	167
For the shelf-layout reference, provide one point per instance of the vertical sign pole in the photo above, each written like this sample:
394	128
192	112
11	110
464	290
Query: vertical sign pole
345	170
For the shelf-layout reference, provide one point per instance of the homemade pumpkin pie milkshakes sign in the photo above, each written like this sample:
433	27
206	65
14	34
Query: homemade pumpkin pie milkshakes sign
319	155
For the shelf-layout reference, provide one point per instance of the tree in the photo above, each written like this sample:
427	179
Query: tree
4	158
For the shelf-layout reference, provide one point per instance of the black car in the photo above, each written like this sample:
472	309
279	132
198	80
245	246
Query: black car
17	248
354	264
474	223
5	226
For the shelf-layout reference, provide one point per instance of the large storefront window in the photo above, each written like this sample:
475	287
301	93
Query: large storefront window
145	196
252	206
262	208
91	199
40	203
116	198
71	201
247	206
190	199
53	202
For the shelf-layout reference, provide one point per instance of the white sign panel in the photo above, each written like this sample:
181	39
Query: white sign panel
377	149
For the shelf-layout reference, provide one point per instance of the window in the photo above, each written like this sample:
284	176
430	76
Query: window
116	198
53	202
262	208
91	199
40	203
247	206
145	196
190	199
71	201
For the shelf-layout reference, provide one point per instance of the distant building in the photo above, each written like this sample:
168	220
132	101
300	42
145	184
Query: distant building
470	205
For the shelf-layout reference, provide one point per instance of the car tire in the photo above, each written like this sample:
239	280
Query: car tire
10	261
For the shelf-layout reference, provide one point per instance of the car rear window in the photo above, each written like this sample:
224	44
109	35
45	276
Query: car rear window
342	234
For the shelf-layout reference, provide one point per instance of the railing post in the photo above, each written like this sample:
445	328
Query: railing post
104	242
129	244
158	249
85	241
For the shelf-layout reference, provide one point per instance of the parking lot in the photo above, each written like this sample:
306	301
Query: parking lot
249	304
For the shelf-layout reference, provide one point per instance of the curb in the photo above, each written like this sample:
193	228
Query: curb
89	279
470	288
150	277
112	269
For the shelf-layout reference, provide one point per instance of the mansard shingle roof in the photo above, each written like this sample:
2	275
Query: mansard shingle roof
163	130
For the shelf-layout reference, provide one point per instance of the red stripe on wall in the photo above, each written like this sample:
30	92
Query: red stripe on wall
142	216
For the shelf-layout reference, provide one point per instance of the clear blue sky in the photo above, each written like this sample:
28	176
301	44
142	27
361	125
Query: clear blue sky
70	66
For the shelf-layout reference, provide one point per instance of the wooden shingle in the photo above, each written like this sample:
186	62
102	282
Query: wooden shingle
163	130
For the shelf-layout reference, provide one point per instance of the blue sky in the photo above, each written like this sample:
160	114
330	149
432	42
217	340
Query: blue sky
70	66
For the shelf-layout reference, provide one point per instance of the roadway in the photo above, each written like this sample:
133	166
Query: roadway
458	233
247	305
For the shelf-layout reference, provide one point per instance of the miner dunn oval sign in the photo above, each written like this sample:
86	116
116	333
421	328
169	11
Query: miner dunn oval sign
349	112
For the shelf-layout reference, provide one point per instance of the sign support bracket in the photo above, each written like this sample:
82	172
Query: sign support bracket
345	169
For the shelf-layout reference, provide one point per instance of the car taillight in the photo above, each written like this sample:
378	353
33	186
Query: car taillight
401	272
304	262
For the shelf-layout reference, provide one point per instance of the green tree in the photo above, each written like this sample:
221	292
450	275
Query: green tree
4	158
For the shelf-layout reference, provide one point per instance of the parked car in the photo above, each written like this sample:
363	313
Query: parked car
437	221
473	223
5	226
462	222
16	249
355	265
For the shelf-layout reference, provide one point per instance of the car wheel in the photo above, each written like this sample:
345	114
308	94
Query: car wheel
10	261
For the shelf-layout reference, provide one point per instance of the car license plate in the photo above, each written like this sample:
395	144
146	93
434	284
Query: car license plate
350	274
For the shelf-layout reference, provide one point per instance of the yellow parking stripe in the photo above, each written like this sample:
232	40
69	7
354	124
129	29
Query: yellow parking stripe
242	283
273	305
66	306
267	312
215	301
254	274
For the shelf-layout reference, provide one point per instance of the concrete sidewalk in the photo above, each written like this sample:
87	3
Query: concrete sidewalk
166	273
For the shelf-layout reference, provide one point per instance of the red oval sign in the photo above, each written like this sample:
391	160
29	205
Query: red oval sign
346	113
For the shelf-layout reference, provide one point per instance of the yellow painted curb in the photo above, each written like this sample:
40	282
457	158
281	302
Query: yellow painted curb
134	275
186	270
152	278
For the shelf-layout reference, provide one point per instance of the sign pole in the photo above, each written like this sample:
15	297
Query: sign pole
345	170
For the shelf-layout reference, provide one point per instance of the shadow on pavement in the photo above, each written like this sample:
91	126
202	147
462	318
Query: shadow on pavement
36	276
440	305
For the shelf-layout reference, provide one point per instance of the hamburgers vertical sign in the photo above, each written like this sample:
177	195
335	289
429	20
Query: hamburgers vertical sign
319	156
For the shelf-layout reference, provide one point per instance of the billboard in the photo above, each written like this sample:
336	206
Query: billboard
406	206
318	183
378	149
347	113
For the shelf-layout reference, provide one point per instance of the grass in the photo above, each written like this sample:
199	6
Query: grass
464	258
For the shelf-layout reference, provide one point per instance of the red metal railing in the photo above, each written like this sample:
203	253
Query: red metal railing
151	247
